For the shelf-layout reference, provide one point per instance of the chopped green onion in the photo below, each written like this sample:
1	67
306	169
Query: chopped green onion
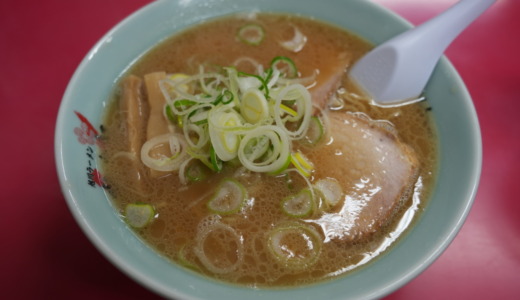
254	106
297	43
302	164
303	106
277	158
178	78
255	81
299	205
229	197
330	190
255	148
296	246
285	65
225	97
283	167
224	140
247	81
202	157
183	102
232	74
196	172
314	132
216	163
225	237
196	134
169	114
184	260
225	115
251	34
180	123
199	116
178	147
138	215
288	110
265	82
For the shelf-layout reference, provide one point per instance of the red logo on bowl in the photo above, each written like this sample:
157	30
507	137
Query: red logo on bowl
88	135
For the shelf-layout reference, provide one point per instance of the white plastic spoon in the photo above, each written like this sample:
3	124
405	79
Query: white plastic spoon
399	69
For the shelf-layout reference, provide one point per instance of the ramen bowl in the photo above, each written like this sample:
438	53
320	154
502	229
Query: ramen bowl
82	110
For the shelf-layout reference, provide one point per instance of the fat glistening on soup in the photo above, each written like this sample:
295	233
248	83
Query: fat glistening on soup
239	149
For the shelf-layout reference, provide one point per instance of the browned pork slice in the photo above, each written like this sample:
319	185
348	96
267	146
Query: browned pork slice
329	79
133	110
376	170
157	123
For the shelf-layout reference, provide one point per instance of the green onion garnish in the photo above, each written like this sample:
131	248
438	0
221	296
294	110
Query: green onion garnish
251	34
138	215
229	197
216	162
315	131
299	205
285	240
285	65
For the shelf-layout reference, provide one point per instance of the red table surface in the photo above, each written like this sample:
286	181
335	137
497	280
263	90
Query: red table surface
43	252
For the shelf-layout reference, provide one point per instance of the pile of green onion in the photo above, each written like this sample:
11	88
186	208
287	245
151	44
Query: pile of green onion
230	116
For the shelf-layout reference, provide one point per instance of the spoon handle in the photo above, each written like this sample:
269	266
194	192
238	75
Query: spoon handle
399	69
439	32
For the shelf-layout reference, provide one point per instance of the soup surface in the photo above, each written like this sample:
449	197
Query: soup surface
354	181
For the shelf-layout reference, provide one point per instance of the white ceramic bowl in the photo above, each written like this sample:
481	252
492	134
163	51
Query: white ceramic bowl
82	109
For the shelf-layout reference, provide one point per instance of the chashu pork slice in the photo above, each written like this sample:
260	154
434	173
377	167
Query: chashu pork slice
376	170
329	79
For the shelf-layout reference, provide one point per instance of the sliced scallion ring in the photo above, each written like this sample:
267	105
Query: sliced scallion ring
296	246
251	34
230	251
297	43
181	255
138	215
299	205
302	164
314	132
282	168
216	163
196	171
196	135
254	107
169	114
229	197
225	141
288	110
285	65
203	157
303	106
227	97
256	148
166	164
179	79
199	116
183	102
248	81
278	157
330	190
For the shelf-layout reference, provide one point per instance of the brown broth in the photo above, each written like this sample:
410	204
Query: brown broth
181	209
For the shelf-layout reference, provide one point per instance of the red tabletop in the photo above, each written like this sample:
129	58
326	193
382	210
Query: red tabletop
43	252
